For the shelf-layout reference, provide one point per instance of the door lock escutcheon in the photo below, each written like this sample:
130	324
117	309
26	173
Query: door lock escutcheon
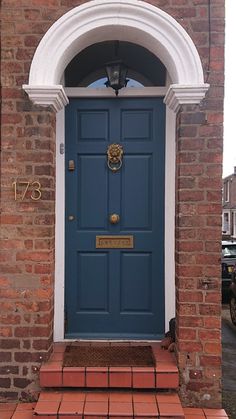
71	165
114	218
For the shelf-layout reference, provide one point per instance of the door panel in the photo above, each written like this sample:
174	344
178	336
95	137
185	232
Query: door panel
93	274
136	125
115	293
136	188
136	271
87	120
93	178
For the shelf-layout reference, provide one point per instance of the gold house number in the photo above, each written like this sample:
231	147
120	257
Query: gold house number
21	188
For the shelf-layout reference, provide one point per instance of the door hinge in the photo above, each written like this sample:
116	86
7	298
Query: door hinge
62	148
65	321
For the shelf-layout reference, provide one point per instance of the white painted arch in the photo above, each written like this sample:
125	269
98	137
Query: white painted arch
125	20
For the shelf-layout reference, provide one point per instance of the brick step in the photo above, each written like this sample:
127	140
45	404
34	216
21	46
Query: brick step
106	405
164	375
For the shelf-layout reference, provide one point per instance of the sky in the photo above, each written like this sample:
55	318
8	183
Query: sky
230	90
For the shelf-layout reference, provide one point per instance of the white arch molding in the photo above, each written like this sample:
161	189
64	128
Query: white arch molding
125	20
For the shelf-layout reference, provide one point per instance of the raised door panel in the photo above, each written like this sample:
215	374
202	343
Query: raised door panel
136	195
92	192
136	283
92	274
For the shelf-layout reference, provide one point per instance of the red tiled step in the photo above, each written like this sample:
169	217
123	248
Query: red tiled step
79	405
17	411
108	405
164	375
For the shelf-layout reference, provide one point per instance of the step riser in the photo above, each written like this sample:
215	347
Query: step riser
108	405
164	375
89	379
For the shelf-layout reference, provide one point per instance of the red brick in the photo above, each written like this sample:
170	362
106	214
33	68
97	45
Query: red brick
198	386
11	219
212	322
32	331
47	3
207	259
191	196
7	370
188	131
209	309
190	346
41	344
206	334
208	360
209	234
214	221
33	256
191	221
187	334
215	118
32	14
5	332
190	246
195	374
187	157
186	283
191	169
12	68
190	321
5	382
190	296
213	348
209	208
210	157
213	297
23	54
21	382
10	319
214	373
186	310
186	233
190	271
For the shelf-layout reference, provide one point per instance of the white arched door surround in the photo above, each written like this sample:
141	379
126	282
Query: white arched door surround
126	20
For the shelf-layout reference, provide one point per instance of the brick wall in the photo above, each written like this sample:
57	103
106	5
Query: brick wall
27	239
198	246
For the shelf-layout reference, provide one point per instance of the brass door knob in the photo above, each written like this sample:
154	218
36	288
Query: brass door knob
114	218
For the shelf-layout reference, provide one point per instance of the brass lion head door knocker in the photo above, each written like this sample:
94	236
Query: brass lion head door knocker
114	157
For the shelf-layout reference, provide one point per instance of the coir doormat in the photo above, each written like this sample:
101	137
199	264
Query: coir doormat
108	356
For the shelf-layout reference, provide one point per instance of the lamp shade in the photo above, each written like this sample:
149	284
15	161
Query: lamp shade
116	75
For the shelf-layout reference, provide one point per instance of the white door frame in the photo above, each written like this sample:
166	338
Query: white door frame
169	267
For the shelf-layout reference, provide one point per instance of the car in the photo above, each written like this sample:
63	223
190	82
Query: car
228	263
232	299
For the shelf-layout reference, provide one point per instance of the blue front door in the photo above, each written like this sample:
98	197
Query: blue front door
115	292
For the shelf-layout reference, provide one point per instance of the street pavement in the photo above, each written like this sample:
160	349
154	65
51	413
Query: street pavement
229	363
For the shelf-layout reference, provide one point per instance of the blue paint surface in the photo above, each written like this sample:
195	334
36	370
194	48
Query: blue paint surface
115	293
